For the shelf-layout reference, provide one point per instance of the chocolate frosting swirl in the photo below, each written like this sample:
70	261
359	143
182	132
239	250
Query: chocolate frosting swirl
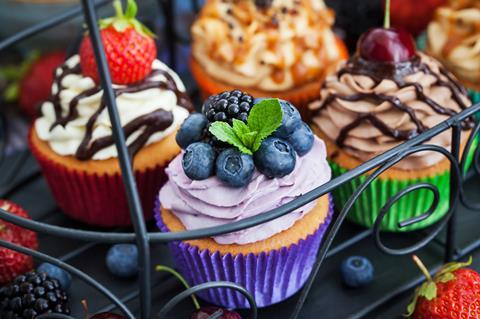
368	108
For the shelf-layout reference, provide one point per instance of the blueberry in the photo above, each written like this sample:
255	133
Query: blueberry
191	130
290	121
357	271
198	161
122	260
55	272
275	157
234	168
301	139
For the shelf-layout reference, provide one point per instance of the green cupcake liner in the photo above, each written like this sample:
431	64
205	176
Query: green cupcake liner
368	205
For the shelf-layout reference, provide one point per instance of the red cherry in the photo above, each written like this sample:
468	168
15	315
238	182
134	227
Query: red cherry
206	312
386	45
107	315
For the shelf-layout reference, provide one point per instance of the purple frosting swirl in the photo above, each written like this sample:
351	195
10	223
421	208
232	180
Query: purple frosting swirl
206	203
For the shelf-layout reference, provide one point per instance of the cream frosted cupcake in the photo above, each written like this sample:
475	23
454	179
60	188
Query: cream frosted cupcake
384	95
224	183
280	48
453	37
72	139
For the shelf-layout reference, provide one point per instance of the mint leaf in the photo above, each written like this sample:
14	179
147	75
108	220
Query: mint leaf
244	134
225	133
264	118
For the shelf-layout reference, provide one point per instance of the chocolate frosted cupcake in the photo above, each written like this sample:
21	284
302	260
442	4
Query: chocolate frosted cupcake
72	139
453	37
387	94
267	48
212	184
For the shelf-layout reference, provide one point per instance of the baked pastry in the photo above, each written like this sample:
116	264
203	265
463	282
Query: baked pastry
384	95
72	139
453	37
228	183
273	48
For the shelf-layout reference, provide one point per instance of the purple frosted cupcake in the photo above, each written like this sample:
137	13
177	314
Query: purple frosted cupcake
223	177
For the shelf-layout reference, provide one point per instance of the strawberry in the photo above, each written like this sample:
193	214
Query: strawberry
453	293
129	47
36	85
13	263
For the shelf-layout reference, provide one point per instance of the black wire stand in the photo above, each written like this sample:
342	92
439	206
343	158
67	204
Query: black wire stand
444	234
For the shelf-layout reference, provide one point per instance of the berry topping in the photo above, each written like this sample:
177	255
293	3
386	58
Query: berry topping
192	130
234	168
386	44
227	106
13	263
31	295
207	312
275	157
290	121
122	260
54	272
356	271
452	293
301	139
198	161
129	47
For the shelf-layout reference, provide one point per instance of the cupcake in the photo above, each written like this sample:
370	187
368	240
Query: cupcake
384	95
229	172
453	37
72	139
267	48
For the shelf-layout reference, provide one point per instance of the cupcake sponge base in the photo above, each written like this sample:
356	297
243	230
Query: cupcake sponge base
271	270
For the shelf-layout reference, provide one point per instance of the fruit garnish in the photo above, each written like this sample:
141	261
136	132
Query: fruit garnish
275	157
200	312
263	120
198	161
122	260
54	272
129	47
101	315
31	295
13	263
451	294
356	271
268	137
386	44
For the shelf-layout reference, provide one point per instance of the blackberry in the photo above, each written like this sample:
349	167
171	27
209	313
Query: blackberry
225	107
31	295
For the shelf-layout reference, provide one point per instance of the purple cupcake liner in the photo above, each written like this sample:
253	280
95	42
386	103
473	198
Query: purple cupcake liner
270	277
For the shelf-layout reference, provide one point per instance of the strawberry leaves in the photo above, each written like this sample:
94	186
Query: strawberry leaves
122	20
428	289
264	118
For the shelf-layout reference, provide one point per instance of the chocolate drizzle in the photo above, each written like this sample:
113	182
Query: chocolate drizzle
153	122
397	73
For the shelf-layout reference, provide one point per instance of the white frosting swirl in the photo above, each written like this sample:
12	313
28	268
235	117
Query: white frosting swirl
65	140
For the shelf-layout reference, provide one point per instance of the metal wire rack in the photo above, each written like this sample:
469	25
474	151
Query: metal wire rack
146	241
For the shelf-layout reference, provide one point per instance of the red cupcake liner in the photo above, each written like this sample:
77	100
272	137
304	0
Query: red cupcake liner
99	200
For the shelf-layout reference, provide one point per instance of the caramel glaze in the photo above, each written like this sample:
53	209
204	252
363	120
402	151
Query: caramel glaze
157	121
397	73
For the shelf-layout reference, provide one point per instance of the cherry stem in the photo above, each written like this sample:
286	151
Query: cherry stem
85	308
386	21
422	267
181	279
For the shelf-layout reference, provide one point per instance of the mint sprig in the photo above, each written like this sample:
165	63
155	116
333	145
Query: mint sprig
264	118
